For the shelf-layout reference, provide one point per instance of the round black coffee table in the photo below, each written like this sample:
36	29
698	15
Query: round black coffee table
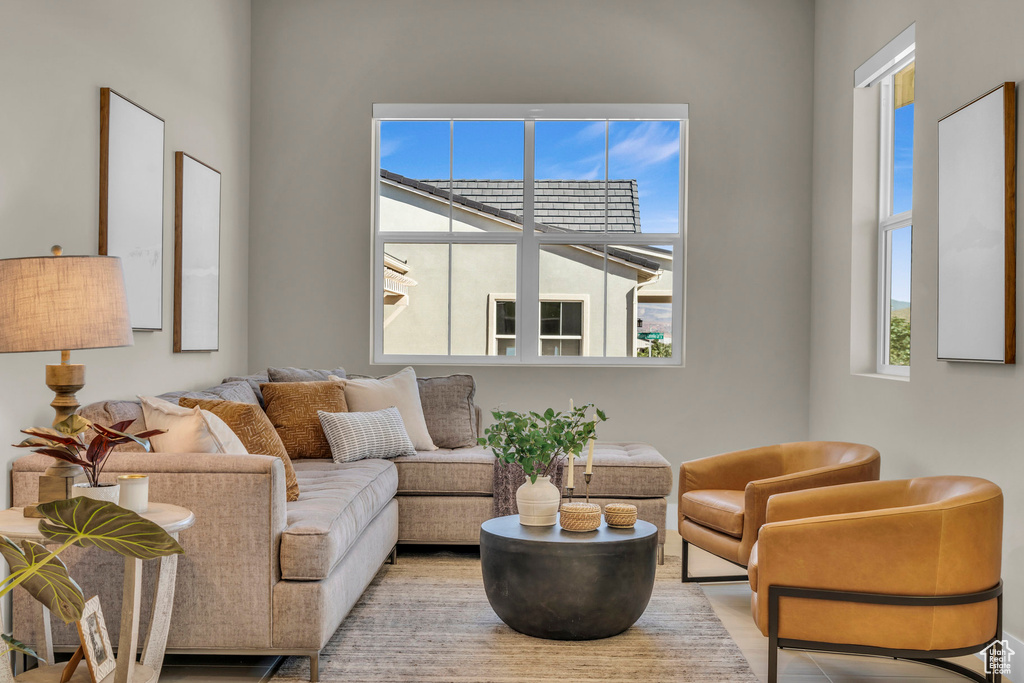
563	585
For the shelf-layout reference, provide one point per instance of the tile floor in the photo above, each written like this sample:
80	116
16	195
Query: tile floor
732	604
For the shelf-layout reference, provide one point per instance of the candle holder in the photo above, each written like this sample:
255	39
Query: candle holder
586	478
569	490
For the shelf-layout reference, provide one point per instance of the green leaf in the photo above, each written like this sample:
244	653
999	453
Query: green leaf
50	584
14	645
89	522
73	425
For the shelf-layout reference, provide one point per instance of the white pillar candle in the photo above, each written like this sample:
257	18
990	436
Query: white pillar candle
590	458
134	492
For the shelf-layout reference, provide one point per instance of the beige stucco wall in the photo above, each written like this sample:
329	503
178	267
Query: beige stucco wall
743	66
188	62
419	324
950	418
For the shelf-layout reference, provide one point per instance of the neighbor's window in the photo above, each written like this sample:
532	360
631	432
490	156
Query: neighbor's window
895	224
529	201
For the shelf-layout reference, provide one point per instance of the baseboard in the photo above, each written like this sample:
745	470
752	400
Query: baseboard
672	517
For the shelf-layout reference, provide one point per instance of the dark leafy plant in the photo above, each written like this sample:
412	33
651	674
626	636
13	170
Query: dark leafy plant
537	442
66	441
657	349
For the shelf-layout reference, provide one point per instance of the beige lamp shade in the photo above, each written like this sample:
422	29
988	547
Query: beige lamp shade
58	303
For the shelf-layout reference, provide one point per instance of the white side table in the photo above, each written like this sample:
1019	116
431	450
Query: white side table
172	519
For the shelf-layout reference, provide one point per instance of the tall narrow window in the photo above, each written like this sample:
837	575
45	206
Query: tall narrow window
541	234
895	224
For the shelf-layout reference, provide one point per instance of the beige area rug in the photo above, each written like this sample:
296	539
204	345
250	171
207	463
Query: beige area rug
427	619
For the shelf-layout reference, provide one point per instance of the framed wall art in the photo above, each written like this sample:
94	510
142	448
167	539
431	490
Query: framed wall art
132	202
196	255
977	229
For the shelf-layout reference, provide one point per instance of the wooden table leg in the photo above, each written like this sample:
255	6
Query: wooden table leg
160	617
131	603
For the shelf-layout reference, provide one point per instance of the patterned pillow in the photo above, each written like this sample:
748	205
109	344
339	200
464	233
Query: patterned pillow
292	408
354	436
255	430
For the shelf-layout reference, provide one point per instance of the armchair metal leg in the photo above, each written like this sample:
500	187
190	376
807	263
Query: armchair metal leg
706	579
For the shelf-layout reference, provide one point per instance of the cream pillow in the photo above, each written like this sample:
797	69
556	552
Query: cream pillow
399	390
188	430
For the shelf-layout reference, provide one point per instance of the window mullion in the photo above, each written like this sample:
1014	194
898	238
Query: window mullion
528	294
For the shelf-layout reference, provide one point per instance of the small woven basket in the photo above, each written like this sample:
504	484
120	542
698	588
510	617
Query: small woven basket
620	515
579	516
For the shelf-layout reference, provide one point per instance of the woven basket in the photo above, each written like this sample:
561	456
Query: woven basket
620	515
580	516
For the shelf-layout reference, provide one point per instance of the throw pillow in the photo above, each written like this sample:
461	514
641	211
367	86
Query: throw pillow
377	434
253	381
448	410
302	374
254	429
239	392
292	408
399	390
188	430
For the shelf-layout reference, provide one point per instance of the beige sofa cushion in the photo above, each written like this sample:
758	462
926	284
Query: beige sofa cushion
336	503
399	390
448	409
458	472
626	470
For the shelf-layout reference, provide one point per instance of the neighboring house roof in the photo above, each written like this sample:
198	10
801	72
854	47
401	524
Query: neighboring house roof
576	205
587	202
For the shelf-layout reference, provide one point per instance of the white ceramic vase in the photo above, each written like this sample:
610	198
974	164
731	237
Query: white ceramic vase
538	502
109	493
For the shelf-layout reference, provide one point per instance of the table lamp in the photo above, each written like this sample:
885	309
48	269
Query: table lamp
62	303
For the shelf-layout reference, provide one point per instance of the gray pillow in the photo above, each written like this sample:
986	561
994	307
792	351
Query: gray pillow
448	410
303	374
254	381
239	392
355	436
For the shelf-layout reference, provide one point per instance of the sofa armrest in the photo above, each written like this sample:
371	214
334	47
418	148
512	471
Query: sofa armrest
239	505
836	500
731	471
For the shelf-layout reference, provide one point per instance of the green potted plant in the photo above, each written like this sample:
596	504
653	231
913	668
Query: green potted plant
537	442
66	441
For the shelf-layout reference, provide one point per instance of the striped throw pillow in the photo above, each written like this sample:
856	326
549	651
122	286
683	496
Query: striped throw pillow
377	434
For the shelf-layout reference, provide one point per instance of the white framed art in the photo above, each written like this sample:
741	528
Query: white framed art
131	221
196	255
977	229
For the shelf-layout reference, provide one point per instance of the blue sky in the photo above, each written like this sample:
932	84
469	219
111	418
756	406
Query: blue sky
902	198
647	151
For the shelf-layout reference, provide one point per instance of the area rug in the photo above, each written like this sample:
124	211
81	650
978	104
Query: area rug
427	619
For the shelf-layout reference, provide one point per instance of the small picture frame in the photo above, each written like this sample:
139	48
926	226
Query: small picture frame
92	631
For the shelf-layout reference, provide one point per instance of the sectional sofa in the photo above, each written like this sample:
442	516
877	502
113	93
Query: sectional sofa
264	575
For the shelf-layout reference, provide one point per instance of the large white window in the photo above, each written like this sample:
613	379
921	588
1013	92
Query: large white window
892	72
544	234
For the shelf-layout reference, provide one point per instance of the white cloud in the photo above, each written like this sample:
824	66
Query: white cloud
649	143
389	147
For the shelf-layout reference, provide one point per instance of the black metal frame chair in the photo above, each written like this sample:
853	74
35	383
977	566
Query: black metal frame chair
931	657
707	579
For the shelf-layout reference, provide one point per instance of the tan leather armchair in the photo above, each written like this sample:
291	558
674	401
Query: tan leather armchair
723	498
907	569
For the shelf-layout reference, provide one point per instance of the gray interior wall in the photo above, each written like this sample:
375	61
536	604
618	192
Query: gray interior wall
743	66
949	418
188	62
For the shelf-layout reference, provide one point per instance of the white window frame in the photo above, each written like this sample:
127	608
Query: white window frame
492	321
529	241
878	71
888	221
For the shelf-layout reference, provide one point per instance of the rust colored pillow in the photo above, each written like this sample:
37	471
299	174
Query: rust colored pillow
292	408
254	430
